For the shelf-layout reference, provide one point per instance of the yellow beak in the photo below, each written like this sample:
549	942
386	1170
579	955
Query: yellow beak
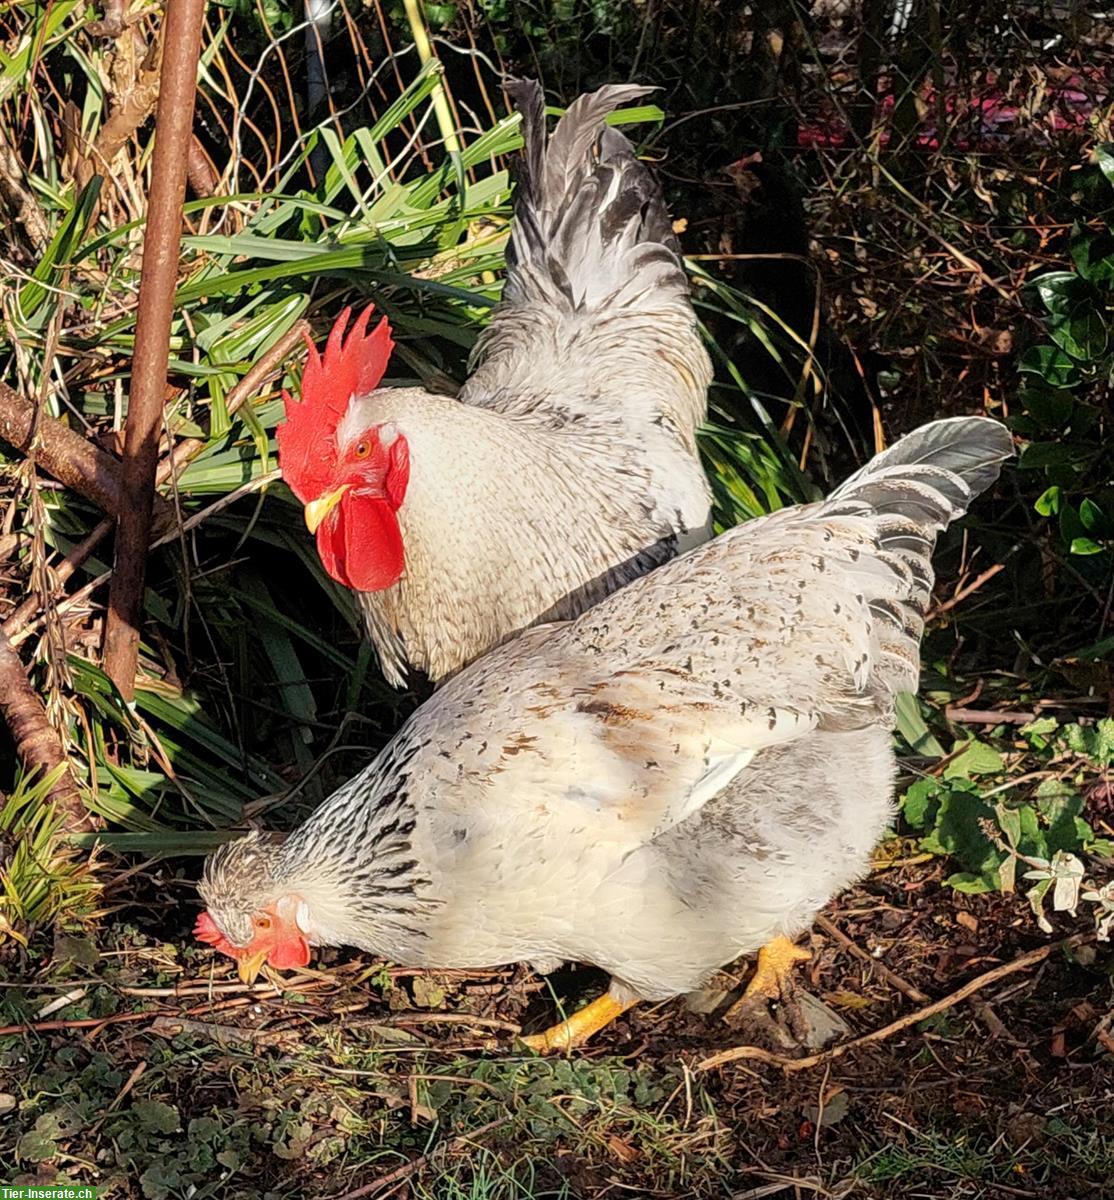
249	968
317	510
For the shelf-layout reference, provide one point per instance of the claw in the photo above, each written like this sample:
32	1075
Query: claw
773	981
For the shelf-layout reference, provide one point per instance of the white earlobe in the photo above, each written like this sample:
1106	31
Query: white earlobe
388	434
301	916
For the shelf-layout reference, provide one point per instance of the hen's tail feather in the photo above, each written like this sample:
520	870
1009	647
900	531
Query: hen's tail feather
910	493
590	223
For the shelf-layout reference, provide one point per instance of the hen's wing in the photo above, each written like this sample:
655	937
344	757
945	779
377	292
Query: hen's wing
648	705
595	321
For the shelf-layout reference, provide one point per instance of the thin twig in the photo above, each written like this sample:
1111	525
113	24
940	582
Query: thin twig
966	591
78	1023
15	624
987	716
173	131
887	1031
892	977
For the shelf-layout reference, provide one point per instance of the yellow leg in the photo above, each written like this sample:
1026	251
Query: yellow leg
577	1029
773	975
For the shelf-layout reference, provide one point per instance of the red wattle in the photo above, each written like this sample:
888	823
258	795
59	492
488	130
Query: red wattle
361	546
291	953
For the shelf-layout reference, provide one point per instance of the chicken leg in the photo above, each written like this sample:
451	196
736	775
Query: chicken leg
773	980
575	1030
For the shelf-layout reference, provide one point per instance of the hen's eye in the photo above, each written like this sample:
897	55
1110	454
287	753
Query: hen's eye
263	922
363	449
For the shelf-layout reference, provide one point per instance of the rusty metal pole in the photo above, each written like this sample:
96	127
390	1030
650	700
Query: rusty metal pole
158	278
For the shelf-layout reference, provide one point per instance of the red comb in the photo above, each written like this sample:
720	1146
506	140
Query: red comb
206	931
351	366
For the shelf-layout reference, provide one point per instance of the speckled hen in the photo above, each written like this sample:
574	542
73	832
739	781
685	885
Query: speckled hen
568	464
684	774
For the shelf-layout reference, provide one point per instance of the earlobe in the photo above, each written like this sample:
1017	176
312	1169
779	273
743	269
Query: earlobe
398	471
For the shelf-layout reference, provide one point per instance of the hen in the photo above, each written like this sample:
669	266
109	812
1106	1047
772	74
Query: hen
568	465
684	774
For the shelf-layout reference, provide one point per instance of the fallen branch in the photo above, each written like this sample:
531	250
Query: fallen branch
66	456
887	1031
37	744
158	277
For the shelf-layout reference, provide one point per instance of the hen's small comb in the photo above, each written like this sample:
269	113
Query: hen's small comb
351	366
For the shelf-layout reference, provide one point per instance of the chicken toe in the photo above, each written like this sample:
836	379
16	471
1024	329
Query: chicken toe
773	981
576	1029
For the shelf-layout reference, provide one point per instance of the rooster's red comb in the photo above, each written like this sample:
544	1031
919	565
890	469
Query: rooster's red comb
351	366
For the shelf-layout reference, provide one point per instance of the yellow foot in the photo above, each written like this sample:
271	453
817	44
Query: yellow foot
576	1030
772	980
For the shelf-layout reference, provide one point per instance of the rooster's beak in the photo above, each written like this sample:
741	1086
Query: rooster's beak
317	510
249	968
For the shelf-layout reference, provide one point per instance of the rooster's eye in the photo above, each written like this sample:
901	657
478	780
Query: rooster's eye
263	922
363	449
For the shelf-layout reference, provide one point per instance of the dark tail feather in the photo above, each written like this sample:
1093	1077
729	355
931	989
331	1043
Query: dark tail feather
591	227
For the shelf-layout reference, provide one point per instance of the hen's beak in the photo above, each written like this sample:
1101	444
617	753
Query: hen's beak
317	510
249	968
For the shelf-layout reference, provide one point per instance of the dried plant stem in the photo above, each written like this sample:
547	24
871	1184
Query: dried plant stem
173	133
29	609
37	743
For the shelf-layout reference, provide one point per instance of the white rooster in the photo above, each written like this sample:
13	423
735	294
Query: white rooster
567	466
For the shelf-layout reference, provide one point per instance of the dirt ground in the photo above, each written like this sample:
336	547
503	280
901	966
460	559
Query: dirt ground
161	1076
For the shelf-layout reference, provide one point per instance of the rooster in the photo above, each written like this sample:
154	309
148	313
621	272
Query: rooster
567	466
681	775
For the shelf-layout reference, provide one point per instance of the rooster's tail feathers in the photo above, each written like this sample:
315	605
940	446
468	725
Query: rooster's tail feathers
590	223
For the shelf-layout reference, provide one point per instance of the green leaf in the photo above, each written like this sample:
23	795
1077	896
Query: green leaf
1104	154
1048	502
958	832
1009	821
921	802
1039	455
1056	368
911	725
157	1117
976	758
1085	546
1052	408
1092	516
971	884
